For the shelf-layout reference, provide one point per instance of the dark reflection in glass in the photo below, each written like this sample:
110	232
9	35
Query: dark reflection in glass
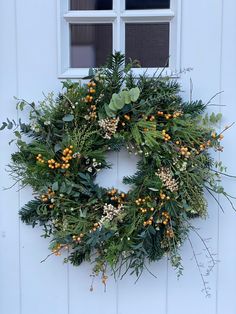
91	44
147	4
91	4
148	43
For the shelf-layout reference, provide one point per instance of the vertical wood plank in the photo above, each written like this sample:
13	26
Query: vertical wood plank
226	302
201	50
9	205
44	285
149	292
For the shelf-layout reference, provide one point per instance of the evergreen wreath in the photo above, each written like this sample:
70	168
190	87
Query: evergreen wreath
70	136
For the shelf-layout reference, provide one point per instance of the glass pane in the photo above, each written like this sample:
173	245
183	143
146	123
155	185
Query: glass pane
91	4
91	44
148	43
147	4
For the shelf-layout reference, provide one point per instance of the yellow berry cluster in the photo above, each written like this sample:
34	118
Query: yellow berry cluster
40	159
170	233
115	196
214	136
88	98
46	197
96	226
112	192
177	114
148	222
93	113
168	116
163	196
56	249
165	135
91	90
202	147
78	238
140	201
67	156
127	117
184	151
144	210
151	118
91	86
52	164
165	218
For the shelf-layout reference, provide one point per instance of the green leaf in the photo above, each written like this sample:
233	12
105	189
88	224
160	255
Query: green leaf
4	125
153	189
83	213
136	134
109	111
83	176
68	118
55	186
134	94
17	134
126	97
117	102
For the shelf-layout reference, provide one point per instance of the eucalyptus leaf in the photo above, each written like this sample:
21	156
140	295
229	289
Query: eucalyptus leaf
55	186
134	94
68	118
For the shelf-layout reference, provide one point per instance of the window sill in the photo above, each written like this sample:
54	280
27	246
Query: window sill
75	73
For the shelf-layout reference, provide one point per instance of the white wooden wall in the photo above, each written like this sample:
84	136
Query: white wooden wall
28	66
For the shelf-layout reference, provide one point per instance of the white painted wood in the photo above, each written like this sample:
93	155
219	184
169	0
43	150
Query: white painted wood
29	56
226	284
10	282
43	285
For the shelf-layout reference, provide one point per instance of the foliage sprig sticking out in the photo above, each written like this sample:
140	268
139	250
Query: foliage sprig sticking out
70	136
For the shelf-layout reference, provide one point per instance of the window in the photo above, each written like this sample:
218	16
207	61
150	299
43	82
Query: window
145	30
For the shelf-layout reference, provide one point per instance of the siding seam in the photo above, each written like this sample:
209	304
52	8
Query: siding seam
219	156
117	283
18	185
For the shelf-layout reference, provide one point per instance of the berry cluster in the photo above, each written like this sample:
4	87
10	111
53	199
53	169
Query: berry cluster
148	222
67	156
40	159
165	218
52	164
77	238
166	136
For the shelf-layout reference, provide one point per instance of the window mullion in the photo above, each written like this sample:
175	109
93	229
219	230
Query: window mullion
117	26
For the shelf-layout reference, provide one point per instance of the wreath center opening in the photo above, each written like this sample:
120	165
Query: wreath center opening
122	164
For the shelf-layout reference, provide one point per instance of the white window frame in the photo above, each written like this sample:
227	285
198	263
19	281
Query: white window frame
117	17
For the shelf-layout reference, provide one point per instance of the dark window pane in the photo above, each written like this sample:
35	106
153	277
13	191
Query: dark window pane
147	4
91	4
91	44
148	43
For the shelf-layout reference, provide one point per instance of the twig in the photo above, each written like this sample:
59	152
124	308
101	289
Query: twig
215	198
206	289
213	97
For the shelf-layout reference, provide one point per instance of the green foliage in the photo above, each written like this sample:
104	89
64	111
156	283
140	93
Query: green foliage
118	101
70	135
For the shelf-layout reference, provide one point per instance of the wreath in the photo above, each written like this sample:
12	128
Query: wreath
70	135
